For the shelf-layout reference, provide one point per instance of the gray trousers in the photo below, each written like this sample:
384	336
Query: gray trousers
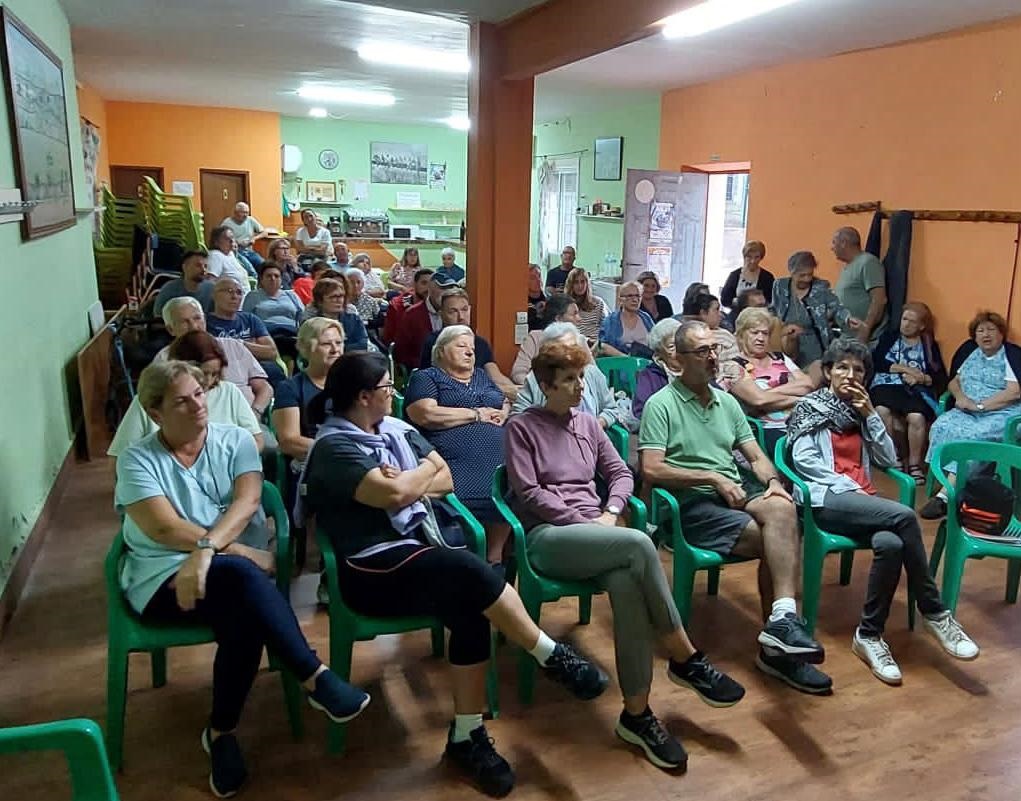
625	563
893	531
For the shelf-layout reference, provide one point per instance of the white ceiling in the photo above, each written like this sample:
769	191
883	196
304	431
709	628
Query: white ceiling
804	30
254	54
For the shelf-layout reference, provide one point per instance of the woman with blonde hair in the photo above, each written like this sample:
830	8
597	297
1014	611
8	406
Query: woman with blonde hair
750	275
591	309
628	326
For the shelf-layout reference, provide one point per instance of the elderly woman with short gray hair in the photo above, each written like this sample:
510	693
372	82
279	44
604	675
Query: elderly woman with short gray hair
597	397
657	375
461	412
373	283
449	266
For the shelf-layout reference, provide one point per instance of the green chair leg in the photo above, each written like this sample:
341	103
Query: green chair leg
292	699
526	664
438	641
953	572
937	548
1013	577
584	609
911	611
684	588
341	649
713	581
159	667
811	589
116	700
493	680
846	566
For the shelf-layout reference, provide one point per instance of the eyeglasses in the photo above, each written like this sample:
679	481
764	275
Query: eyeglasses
704	351
388	387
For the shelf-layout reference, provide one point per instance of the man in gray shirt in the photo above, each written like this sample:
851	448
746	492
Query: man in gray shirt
192	283
246	230
861	286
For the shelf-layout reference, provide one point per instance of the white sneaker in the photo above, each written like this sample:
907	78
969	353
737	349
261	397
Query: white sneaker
951	636
875	653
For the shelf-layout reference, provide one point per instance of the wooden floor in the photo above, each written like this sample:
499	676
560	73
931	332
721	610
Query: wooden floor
948	733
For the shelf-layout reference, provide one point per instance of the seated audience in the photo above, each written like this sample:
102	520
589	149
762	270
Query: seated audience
400	304
329	299
626	331
750	275
279	308
341	255
224	401
555	455
591	308
556	278
368	307
303	286
597	397
196	554
909	377
373	283
536	298
222	262
312	240
835	435
247	231
688	436
449	266
193	283
455	309
558	309
705	308
402	274
461	412
769	384
227	321
420	320
370	480
808	310
241	368
657	306
663	370
279	251
984	384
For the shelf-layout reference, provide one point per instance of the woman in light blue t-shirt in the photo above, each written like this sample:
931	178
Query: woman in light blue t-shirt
190	495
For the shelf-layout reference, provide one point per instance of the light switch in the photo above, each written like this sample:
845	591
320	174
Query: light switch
521	317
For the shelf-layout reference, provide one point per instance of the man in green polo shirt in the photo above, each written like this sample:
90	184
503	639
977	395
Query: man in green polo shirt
689	432
861	287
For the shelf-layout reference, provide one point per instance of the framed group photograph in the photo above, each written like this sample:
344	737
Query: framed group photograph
609	158
321	191
38	112
398	163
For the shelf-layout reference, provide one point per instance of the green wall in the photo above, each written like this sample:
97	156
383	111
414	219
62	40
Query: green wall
638	123
48	286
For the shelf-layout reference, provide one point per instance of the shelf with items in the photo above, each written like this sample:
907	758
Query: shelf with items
305	203
611	217
440	209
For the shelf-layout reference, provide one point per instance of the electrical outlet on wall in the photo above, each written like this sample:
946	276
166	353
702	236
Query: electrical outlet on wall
521	317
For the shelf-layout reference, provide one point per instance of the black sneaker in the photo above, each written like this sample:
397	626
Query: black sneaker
660	746
569	668
227	767
788	637
934	508
698	674
797	674
339	700
477	758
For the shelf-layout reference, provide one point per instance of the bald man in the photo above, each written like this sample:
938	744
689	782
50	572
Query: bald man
861	287
246	231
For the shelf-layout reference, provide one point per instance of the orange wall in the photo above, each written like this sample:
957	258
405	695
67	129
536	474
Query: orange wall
185	139
93	108
932	124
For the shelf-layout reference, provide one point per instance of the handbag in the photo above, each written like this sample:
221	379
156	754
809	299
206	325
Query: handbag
984	505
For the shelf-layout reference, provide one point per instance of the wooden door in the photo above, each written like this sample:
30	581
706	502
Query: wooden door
127	181
221	191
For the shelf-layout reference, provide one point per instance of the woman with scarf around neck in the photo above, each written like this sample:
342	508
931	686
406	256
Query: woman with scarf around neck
369	480
834	434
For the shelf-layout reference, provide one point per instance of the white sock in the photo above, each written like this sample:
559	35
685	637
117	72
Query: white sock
781	606
464	725
543	649
942	494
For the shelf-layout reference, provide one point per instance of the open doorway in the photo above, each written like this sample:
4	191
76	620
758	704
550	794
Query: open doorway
726	226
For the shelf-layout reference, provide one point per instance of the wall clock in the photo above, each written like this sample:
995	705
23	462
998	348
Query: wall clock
328	159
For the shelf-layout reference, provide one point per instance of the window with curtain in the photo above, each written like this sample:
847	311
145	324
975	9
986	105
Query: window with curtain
558	204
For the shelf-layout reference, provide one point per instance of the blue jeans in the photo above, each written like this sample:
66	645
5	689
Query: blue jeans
252	257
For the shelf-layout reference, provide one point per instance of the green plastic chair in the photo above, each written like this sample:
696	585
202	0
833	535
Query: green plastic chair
536	589
621	371
688	559
759	430
82	743
961	546
398	405
128	633
1012	431
348	627
942	406
819	543
620	437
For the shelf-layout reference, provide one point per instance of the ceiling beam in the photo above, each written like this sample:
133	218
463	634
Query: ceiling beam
560	32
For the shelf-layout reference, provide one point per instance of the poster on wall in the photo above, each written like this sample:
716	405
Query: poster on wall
658	259
39	128
438	176
661	222
397	163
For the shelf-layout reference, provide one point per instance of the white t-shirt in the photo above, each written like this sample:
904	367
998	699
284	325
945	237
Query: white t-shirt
322	237
242	366
224	402
245	231
221	264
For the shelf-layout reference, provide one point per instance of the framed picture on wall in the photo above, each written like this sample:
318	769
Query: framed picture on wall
609	157
398	163
38	112
321	191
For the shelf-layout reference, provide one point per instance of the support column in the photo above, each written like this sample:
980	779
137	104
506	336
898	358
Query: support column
499	193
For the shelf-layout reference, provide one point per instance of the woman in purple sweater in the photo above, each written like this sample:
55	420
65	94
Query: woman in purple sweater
554	456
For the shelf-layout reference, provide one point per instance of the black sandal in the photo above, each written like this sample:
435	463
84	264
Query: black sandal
917	472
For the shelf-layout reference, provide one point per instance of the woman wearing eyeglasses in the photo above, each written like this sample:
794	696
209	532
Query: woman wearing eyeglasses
329	299
628	326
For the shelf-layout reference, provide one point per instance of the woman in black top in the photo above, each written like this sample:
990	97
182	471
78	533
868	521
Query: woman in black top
750	275
657	306
370	480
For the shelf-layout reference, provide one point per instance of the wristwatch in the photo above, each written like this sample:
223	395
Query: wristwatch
980	406
613	509
205	543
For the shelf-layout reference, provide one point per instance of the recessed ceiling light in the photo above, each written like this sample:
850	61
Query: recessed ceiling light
459	122
336	94
714	14
398	54
318	112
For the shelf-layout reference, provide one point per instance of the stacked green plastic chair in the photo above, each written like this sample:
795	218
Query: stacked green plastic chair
172	216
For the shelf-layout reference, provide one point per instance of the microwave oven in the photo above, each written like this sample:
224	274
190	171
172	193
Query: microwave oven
403	231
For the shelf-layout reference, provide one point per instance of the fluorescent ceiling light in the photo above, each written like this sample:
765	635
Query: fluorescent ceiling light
336	94
398	54
713	14
318	112
459	122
